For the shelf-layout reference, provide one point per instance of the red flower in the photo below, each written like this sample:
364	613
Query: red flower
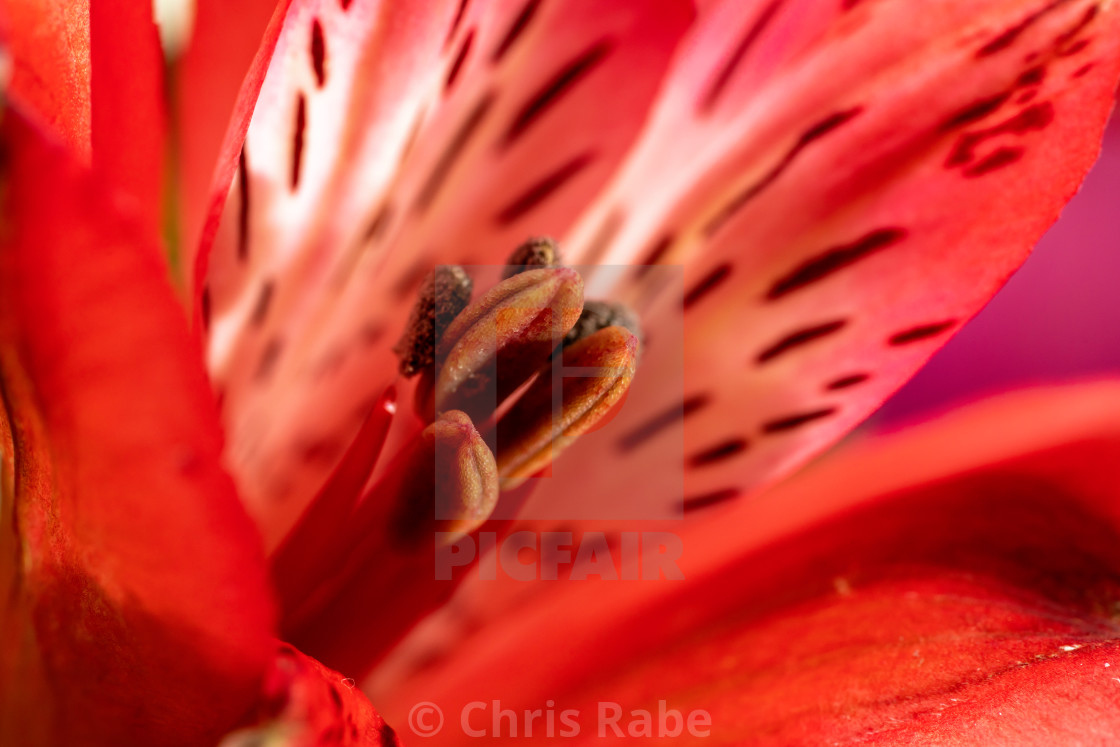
844	183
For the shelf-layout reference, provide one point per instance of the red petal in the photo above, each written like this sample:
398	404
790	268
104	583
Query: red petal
846	196
305	704
49	48
95	74
216	85
129	122
138	611
315	267
954	582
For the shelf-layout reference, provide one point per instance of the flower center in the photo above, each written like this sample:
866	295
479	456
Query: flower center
509	360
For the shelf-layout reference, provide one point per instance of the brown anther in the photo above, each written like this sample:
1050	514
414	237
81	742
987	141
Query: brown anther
599	315
449	484
540	251
444	293
532	434
501	340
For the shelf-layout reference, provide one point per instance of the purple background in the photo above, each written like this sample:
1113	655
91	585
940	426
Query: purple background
1057	319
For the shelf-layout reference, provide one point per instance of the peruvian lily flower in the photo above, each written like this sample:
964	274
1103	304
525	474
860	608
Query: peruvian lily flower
190	478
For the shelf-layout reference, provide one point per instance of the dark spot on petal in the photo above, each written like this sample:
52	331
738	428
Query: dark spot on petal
451	153
388	736
345	4
1072	49
1083	70
297	140
562	83
731	64
834	259
994	161
1008	37
1063	40
800	338
204	308
654	255
336	699
1031	77
1035	117
921	332
661	422
791	422
264	301
379	224
719	452
459	14
845	382
973	112
318	53
707	284
460	59
537	193
706	500
243	212
814	133
268	360
516	29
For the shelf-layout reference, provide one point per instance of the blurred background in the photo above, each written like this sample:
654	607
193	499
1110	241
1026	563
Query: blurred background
1057	319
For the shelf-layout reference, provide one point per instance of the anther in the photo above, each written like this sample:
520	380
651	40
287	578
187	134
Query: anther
536	252
444	293
501	340
448	484
593	374
599	315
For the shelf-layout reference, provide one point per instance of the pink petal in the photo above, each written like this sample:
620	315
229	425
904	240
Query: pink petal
843	194
955	583
388	140
135	604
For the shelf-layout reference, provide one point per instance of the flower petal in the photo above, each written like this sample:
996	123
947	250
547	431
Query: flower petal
128	119
49	47
845	188
136	608
217	81
94	72
388	140
954	582
304	704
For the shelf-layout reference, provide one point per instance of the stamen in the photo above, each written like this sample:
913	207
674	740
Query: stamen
450	484
444	293
536	252
501	340
599	315
532	434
